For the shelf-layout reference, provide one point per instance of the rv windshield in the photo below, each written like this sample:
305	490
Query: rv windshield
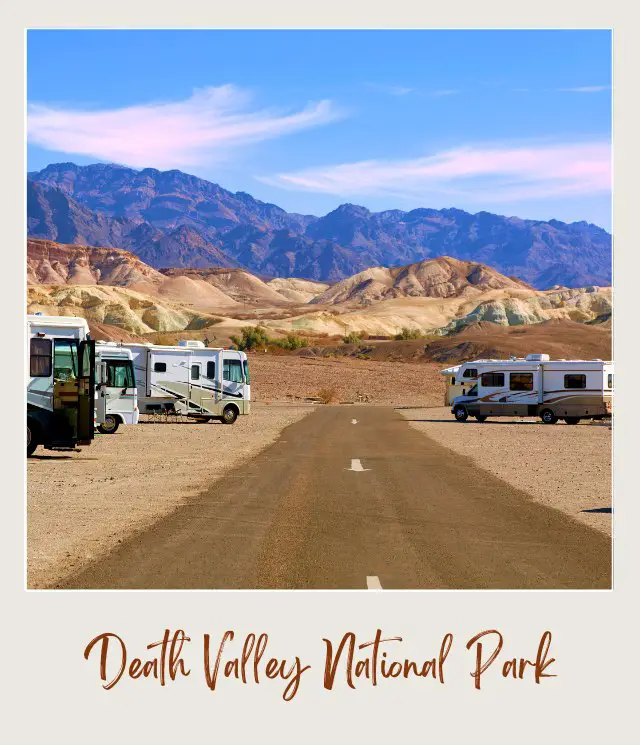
120	374
65	359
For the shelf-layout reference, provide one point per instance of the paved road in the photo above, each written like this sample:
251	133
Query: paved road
416	516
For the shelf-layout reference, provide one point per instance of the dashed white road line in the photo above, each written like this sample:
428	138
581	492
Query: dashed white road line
356	466
373	583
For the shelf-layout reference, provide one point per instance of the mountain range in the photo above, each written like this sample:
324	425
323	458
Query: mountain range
170	219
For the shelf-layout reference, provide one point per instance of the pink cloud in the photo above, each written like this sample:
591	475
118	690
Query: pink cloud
486	173
198	130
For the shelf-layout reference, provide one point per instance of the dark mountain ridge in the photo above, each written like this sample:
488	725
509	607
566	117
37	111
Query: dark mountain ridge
172	219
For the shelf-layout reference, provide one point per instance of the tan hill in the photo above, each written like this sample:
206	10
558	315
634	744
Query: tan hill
244	288
443	277
298	290
107	332
115	306
53	263
428	315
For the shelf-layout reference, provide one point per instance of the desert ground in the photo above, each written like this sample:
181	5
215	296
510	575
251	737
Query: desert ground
562	466
81	505
345	380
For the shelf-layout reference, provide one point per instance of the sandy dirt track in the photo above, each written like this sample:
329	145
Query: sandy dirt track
304	514
81	505
562	466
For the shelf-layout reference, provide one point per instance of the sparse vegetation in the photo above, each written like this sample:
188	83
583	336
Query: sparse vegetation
352	338
327	395
291	342
253	337
407	334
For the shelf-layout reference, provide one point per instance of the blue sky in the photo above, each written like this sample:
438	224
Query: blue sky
513	122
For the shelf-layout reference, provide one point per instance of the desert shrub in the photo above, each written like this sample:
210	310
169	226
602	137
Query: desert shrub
327	395
407	334
252	338
352	338
292	341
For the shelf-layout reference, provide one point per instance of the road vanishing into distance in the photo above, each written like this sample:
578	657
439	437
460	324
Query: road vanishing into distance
354	498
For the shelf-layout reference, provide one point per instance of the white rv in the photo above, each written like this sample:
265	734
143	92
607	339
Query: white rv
60	382
536	386
192	380
117	396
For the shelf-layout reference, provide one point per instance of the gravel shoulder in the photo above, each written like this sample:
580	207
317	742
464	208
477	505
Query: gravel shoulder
561	466
81	505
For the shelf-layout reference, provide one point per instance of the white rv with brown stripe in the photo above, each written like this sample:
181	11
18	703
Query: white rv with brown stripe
536	386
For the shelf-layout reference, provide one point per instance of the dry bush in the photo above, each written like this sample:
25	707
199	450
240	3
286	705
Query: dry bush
327	395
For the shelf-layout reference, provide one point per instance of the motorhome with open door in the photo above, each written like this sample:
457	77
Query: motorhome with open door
192	380
537	386
117	396
60	382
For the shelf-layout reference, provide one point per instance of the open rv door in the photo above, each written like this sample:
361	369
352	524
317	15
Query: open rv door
86	390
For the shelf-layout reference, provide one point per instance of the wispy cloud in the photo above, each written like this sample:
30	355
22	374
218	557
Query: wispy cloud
197	131
449	92
585	89
391	90
476	174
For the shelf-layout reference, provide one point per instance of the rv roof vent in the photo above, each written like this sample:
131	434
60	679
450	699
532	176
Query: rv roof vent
537	358
191	343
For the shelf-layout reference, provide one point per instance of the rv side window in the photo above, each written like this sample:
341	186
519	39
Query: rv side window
492	380
160	367
40	361
521	382
247	378
453	380
575	381
610	381
195	372
470	372
232	371
211	370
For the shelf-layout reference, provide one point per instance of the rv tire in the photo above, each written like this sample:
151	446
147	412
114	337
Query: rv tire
32	437
110	425
481	418
572	419
548	417
461	414
229	415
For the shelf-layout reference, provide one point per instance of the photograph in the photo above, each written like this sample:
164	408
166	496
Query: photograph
319	309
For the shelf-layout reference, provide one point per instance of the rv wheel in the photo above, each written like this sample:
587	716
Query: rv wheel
548	417
481	418
109	426
229	415
572	419
32	438
460	414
